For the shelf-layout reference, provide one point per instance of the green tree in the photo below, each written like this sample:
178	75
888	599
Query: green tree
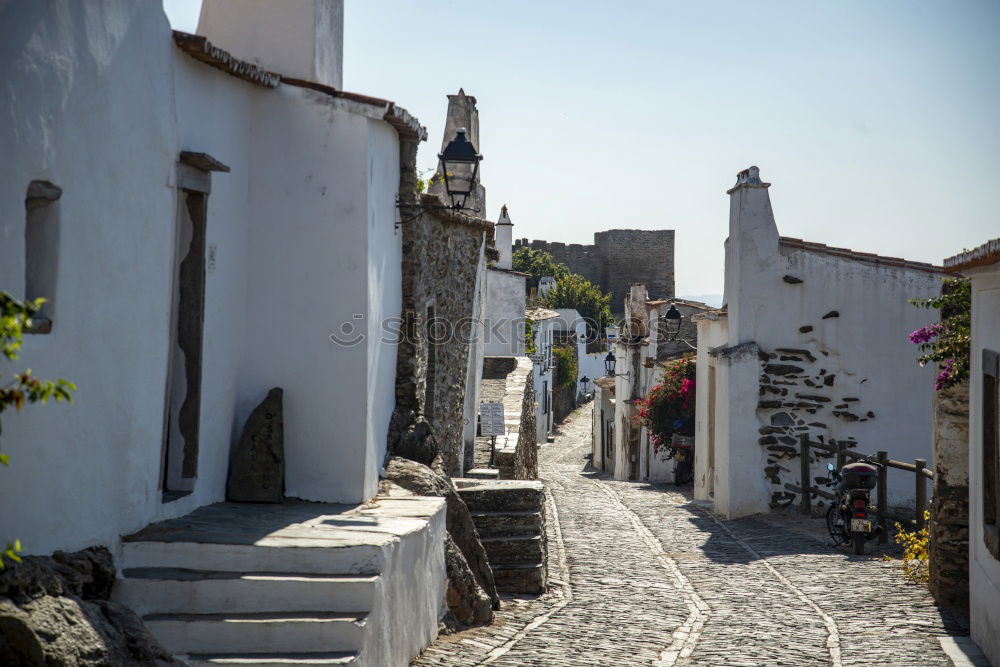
15	317
566	366
574	291
537	264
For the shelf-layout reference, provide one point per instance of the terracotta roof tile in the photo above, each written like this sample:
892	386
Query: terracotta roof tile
868	257
988	253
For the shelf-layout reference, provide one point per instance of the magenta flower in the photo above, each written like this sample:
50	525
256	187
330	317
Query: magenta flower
925	334
945	374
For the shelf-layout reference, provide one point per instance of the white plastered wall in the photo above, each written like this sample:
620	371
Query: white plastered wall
984	569
864	344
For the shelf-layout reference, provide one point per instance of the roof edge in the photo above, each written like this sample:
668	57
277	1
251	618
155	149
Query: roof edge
988	253
867	257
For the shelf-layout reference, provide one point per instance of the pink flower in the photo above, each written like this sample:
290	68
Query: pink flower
926	334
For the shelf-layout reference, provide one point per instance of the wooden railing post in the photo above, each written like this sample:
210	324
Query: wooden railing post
806	507
921	492
883	497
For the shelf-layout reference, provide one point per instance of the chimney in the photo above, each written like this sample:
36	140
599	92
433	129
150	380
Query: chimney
301	39
752	246
503	238
463	114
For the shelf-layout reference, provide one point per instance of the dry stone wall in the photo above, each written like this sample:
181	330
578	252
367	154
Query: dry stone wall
443	252
949	528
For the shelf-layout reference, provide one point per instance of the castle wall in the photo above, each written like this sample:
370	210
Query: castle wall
618	258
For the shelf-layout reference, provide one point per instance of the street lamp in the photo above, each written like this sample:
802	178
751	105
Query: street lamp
459	166
609	364
673	322
585	382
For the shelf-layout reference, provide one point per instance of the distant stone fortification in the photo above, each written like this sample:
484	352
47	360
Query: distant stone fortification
618	258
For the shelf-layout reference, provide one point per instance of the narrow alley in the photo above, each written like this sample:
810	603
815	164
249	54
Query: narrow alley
642	574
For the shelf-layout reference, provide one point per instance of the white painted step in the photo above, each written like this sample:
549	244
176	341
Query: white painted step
271	659
357	558
273	633
180	590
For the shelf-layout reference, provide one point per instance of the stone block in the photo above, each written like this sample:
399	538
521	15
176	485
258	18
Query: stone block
257	468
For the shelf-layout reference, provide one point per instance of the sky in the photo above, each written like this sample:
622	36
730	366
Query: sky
877	123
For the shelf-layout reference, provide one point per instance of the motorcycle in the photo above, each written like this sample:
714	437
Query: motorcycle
850	518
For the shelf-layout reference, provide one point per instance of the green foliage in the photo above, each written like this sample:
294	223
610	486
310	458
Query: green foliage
537	264
916	551
946	343
566	366
530	330
669	406
15	317
427	178
574	291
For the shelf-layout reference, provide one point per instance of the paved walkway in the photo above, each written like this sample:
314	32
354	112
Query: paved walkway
642	575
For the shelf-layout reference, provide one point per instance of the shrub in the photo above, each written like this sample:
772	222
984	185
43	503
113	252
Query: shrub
946	343
916	559
575	291
566	366
669	406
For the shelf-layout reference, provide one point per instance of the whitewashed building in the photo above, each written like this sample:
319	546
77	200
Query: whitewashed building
982	266
503	322
812	339
223	222
545	323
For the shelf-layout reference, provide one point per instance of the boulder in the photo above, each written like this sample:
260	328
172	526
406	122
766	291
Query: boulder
54	611
257	467
425	481
417	442
467	601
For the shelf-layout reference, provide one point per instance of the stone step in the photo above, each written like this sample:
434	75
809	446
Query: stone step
277	659
518	549
498	524
362	557
502	495
520	578
179	590
482	473
284	633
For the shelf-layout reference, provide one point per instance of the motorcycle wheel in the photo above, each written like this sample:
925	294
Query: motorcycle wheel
836	531
859	544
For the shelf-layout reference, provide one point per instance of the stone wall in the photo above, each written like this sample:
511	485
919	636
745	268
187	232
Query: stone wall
949	528
618	258
516	451
442	252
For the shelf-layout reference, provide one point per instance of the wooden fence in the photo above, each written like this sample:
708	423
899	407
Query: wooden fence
919	468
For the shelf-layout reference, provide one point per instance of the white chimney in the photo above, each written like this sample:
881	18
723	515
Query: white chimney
301	39
752	246
504	238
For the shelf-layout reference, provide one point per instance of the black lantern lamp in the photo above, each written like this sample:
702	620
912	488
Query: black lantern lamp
609	364
457	159
585	383
672	319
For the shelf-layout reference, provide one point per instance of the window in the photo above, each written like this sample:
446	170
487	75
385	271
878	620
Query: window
991	451
41	250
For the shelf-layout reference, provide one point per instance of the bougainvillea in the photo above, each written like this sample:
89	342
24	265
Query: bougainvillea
946	343
669	406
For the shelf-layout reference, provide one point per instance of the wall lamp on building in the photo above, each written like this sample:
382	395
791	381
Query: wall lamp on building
672	326
458	165
585	384
609	366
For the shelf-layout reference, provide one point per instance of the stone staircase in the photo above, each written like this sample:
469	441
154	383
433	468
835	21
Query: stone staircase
291	584
510	519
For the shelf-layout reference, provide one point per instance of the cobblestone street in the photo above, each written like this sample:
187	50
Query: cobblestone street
641	574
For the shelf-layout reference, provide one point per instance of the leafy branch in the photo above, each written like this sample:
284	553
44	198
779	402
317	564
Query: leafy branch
15	318
946	343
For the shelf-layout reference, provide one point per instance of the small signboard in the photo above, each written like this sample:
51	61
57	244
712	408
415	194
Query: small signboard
611	333
491	419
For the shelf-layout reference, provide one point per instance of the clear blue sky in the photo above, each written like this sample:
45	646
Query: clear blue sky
878	123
